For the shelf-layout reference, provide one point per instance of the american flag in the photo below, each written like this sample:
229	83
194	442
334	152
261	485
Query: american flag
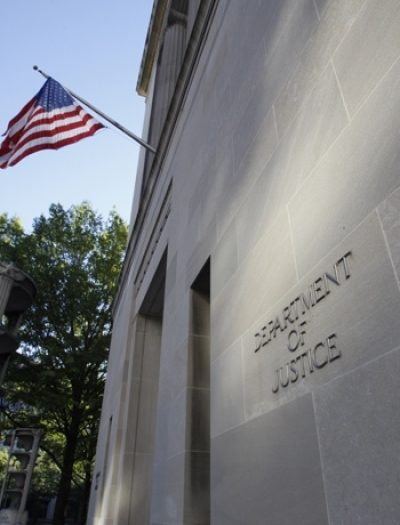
51	120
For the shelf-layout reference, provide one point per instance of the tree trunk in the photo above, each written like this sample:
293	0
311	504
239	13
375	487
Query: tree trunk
66	474
85	498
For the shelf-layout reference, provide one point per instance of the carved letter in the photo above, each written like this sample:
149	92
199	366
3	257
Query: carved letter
331	347
290	347
303	301
310	362
278	325
286	314
302	364
271	330
302	332
294	303
264	328
294	370
317	289
316	364
287	376
257	345
275	390
335	280
345	266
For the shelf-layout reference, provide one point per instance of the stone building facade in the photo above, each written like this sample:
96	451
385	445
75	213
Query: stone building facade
254	367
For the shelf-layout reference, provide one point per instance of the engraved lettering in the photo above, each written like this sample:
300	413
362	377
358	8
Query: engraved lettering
310	361
332	347
286	314
278	325
329	277
296	338
301	305
316	363
276	388
257	343
271	330
300	358
306	304
345	265
317	357
294	303
293	369
319	293
264	336
302	331
284	385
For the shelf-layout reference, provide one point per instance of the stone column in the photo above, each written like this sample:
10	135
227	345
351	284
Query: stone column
170	65
8	274
17	291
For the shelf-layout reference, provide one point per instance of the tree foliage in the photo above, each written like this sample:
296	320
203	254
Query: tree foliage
58	375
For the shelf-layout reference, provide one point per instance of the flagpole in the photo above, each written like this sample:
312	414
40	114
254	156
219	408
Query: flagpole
110	120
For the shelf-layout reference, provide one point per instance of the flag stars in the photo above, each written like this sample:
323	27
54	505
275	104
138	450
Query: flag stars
53	96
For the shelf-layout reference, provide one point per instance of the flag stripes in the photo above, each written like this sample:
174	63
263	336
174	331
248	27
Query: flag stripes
36	128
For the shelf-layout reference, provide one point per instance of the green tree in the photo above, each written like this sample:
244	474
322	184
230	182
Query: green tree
58	375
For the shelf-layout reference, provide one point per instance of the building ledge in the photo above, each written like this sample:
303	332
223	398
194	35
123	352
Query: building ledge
151	46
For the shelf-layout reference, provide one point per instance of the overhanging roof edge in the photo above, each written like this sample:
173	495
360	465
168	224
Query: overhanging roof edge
151	45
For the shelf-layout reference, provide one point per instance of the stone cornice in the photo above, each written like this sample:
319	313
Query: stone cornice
151	45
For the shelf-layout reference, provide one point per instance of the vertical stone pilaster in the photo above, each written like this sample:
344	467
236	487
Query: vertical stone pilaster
171	62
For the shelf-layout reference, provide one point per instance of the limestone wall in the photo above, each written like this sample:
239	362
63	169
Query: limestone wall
279	188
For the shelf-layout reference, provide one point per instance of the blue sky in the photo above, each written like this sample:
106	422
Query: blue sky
94	48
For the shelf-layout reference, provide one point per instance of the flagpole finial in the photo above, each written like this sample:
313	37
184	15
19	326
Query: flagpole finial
36	68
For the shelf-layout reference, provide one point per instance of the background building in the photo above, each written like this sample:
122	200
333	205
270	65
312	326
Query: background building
254	368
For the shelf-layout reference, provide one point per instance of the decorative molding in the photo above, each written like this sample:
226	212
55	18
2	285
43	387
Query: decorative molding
154	238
